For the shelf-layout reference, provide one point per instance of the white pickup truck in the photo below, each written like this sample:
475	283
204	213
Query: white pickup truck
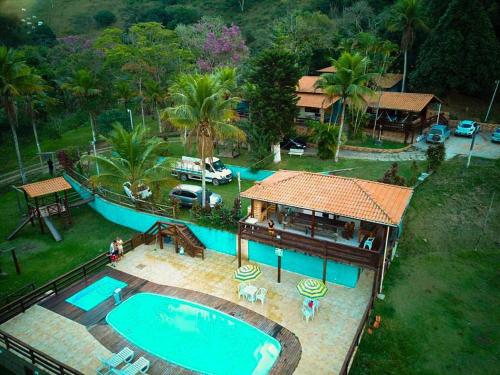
190	169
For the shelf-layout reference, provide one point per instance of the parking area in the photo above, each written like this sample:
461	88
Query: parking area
483	147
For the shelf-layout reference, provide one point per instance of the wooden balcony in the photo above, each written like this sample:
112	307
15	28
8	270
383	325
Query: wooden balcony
325	249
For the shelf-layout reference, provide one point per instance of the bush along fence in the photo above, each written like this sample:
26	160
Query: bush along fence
53	287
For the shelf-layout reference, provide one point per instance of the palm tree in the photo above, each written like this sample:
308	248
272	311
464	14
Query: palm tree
124	93
83	86
349	82
16	79
155	95
203	105
35	96
407	17
134	159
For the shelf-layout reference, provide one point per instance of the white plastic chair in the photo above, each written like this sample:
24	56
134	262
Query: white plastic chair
315	306
261	295
307	313
241	290
139	366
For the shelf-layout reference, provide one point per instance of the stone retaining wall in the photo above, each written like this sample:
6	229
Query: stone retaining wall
377	150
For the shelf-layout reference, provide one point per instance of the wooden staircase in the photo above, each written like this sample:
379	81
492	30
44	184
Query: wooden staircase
180	234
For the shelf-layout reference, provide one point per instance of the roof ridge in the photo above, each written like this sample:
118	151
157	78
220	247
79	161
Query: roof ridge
374	201
360	179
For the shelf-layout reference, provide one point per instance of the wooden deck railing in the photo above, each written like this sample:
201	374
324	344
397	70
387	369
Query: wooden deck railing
351	353
313	246
36	357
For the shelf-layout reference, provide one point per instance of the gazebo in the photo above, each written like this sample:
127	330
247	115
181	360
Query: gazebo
44	199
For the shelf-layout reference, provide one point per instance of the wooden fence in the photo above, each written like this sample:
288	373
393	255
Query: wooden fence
53	287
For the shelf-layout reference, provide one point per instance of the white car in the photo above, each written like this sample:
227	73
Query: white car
143	193
190	169
467	128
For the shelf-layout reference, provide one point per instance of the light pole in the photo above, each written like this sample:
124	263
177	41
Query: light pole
131	120
492	100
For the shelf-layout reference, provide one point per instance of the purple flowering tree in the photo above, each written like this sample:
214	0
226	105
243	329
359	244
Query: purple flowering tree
214	44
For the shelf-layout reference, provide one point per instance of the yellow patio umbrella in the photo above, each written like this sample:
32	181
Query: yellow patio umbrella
247	272
312	288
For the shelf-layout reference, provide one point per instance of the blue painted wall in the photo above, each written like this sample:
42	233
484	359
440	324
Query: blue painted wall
338	273
224	242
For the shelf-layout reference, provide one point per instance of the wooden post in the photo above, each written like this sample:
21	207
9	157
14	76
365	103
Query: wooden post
239	244
58	205
383	260
28	206
160	235
39	214
251	209
313	222
16	262
66	205
279	269
324	266
423	119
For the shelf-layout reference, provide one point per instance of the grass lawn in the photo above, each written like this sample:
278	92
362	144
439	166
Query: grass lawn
441	312
41	258
371	142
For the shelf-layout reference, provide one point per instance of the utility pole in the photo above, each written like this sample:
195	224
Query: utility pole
492	100
470	150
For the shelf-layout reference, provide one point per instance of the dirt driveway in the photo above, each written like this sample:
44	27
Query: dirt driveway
483	147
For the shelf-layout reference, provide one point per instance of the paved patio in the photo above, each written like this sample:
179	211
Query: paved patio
325	340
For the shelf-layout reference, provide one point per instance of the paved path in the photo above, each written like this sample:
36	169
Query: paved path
381	156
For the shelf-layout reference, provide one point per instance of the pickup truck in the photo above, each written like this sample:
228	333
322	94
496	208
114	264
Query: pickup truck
190	169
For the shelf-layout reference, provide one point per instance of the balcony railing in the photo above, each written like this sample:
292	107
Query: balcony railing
312	246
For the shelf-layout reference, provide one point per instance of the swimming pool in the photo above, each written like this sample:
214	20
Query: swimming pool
88	298
194	336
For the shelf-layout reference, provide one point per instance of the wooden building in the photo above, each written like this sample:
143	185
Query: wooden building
347	220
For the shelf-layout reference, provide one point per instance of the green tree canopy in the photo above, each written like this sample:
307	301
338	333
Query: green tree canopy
273	101
461	53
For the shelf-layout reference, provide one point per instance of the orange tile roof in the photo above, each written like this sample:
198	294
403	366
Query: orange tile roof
315	100
328	69
350	197
53	185
388	80
401	101
306	84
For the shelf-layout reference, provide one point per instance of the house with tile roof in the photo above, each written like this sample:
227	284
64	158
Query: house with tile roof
338	219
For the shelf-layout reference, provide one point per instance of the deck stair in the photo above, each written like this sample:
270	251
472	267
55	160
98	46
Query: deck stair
181	235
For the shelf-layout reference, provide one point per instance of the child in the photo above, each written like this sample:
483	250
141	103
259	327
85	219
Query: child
113	251
119	243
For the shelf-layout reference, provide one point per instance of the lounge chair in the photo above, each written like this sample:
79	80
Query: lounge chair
124	356
139	366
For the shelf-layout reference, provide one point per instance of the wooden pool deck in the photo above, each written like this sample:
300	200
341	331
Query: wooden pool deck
95	320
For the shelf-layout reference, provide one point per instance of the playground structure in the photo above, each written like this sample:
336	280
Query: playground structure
45	199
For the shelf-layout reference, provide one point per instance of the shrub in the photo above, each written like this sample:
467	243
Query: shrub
53	130
435	156
415	171
391	176
260	145
104	18
106	119
325	136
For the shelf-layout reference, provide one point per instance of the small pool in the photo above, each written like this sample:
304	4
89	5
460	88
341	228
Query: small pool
88	298
247	174
194	336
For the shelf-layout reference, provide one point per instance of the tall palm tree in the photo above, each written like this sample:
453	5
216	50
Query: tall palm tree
35	96
349	82
124	93
407	16
203	104
155	95
134	159
83	86
16	79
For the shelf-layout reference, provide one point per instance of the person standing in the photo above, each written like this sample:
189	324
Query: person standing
119	245
113	252
50	164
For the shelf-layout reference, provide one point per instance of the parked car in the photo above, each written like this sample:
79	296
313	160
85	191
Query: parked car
495	136
438	134
296	143
189	168
467	128
143	191
188	194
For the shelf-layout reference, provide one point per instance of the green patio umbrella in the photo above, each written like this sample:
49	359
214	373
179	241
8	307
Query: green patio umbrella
247	272
312	288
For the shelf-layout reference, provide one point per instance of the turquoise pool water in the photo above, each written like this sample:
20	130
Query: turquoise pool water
194	336
247	174
97	292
